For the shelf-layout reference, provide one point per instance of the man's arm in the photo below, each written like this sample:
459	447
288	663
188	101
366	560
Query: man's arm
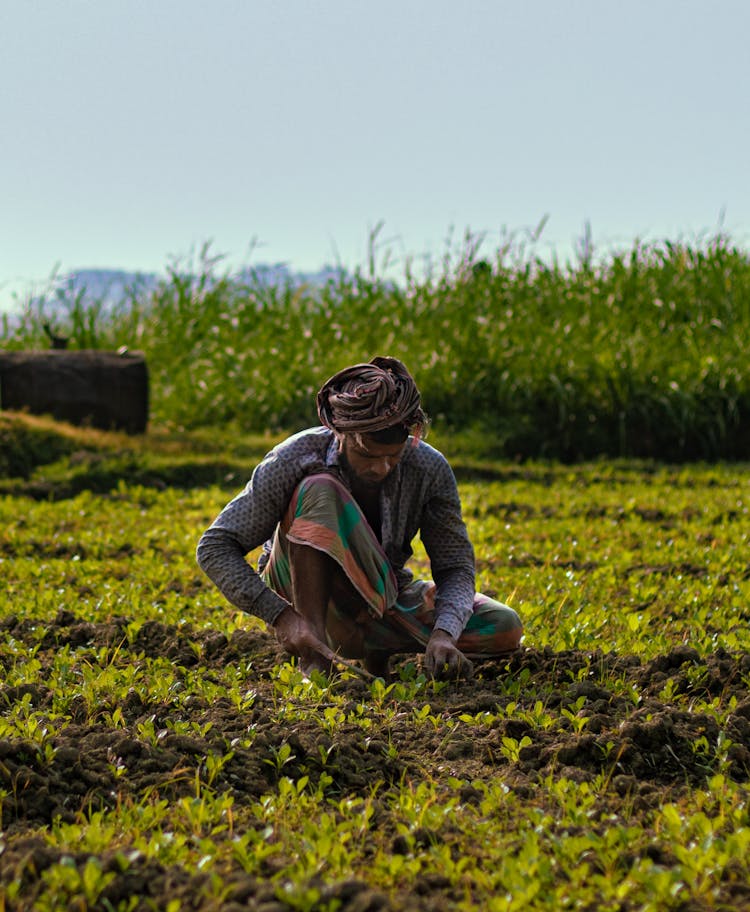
296	635
446	541
245	523
221	556
248	521
443	533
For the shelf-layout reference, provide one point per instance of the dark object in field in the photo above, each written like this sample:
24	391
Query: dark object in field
107	390
55	340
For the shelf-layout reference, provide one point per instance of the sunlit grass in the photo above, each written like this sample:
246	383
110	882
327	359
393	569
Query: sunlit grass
631	577
644	353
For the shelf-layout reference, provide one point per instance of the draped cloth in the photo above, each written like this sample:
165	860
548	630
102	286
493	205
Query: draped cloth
370	397
323	515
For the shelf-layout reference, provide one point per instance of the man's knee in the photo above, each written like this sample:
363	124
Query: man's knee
494	629
320	488
315	493
509	629
509	620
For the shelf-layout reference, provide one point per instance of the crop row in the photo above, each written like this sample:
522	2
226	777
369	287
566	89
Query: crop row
157	751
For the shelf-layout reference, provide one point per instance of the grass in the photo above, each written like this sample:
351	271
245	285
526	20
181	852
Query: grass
44	459
641	354
156	752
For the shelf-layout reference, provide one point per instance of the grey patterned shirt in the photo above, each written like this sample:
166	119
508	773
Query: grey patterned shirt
419	496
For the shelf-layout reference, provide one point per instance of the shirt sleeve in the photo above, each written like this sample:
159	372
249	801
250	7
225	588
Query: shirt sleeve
451	554
246	522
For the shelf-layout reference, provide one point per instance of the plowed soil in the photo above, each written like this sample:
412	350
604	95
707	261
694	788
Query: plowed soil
646	746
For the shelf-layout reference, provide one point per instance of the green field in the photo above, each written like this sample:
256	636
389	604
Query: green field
157	752
642	353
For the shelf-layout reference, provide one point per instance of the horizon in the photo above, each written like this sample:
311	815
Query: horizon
528	248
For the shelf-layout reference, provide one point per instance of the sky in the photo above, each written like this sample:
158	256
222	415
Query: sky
132	132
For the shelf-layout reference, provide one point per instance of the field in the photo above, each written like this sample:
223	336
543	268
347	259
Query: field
158	752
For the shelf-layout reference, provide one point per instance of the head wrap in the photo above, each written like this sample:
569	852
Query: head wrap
370	397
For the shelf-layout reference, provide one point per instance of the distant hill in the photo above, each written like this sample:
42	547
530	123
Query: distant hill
110	285
113	285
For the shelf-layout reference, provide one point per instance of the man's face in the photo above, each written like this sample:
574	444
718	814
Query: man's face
370	462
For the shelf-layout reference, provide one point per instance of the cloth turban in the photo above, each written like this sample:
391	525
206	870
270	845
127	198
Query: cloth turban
370	397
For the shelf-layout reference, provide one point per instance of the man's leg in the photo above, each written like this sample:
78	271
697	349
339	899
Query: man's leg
311	574
339	615
328	563
372	639
494	629
317	582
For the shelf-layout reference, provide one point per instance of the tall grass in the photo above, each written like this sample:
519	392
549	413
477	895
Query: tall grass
644	353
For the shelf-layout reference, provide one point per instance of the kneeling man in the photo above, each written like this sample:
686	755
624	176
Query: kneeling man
336	508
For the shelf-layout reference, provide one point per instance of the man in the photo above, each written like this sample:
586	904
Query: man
337	507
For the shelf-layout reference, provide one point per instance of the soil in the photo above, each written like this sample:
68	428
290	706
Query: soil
644	745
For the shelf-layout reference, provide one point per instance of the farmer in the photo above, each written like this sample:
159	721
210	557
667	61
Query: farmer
337	507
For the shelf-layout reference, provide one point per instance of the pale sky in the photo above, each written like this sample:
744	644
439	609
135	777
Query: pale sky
132	131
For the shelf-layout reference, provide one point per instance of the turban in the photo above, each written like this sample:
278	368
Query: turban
371	397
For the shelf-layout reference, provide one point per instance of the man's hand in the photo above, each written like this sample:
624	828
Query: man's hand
296	635
443	660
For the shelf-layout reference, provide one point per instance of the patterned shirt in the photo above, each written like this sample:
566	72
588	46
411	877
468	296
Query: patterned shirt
419	496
